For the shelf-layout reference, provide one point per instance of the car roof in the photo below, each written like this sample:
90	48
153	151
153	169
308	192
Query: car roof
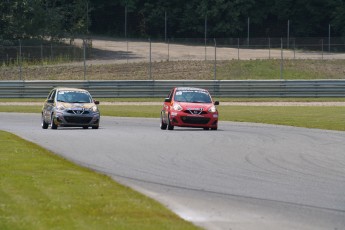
70	89
190	88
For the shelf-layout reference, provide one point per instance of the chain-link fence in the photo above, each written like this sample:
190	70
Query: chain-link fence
226	58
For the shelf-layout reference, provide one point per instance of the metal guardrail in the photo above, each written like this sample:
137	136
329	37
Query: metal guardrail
161	88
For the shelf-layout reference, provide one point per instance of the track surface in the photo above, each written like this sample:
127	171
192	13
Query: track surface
243	176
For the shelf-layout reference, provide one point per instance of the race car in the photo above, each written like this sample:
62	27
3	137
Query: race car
189	107
70	107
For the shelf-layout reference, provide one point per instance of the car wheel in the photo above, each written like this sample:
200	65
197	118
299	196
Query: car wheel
170	127
206	128
95	127
215	128
54	126
163	125
44	124
85	127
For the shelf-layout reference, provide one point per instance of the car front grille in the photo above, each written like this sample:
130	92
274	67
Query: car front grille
195	120
195	111
78	120
71	111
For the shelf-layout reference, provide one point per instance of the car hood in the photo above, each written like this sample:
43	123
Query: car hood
188	105
75	105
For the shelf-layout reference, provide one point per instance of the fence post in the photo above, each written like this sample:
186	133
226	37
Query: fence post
288	35
238	48
294	48
248	33
329	38
168	49
215	59
42	54
20	60
269	48
51	52
281	59
321	49
150	60
84	57
127	50
205	37
165	25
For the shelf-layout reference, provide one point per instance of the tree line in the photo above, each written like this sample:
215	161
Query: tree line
175	18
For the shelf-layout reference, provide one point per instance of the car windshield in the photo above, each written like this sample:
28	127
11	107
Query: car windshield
192	96
74	97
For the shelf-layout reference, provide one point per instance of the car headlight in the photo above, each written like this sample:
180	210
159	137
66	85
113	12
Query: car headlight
212	109
177	107
94	109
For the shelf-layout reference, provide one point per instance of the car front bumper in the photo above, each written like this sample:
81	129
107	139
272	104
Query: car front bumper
91	119
182	119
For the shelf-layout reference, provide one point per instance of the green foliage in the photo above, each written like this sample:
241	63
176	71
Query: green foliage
39	18
224	18
146	18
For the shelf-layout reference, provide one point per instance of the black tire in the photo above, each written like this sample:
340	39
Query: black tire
170	127
53	125
163	125
215	128
85	127
44	124
95	127
206	128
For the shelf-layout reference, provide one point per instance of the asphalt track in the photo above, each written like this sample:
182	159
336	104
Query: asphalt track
243	176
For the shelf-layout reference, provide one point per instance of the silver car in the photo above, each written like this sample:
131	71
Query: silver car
70	107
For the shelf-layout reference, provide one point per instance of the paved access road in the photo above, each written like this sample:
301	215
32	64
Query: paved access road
243	176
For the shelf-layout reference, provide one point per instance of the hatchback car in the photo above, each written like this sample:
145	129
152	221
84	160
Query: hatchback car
189	107
70	107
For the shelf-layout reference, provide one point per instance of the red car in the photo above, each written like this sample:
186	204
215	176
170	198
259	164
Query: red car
189	107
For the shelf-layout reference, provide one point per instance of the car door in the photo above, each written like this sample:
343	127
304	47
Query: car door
167	105
49	106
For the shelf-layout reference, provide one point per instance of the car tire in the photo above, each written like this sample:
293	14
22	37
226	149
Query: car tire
95	127
53	125
215	128
206	128
163	126
44	124
85	127
170	127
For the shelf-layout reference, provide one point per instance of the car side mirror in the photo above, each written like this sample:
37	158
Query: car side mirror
50	100
167	100
216	103
96	102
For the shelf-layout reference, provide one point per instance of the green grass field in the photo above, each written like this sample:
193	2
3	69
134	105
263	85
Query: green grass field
39	190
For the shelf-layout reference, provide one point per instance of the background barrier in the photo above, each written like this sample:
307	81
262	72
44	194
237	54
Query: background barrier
147	88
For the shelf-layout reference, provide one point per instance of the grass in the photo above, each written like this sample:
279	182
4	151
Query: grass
270	69
21	109
324	117
39	190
